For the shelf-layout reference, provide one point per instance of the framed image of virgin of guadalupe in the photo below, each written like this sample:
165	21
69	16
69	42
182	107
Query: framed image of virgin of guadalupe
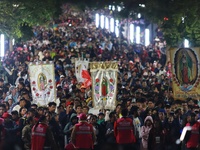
185	70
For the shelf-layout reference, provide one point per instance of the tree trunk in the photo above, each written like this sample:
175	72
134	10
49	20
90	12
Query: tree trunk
11	44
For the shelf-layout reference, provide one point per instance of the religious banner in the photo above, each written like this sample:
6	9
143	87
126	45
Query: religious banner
81	72
104	84
185	72
42	79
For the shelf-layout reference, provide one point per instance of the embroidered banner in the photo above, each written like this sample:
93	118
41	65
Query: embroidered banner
185	72
104	84
42	79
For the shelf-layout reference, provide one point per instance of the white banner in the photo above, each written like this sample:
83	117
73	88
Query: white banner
80	65
104	84
42	79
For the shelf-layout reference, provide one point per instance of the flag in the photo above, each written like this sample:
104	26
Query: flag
82	74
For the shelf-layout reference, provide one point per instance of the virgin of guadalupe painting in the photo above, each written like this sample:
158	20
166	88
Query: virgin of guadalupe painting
42	82
186	68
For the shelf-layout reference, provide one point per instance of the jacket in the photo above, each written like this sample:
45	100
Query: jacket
123	131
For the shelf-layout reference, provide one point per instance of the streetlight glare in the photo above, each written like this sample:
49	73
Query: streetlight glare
186	43
131	33
117	28
97	20
147	37
112	24
137	35
107	23
2	45
102	21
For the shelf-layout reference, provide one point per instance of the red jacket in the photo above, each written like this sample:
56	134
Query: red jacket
194	137
123	130
84	135
38	136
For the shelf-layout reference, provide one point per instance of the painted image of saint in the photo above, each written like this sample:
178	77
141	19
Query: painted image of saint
104	87
42	82
186	67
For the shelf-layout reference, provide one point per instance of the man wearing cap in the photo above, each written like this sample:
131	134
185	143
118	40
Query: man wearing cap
13	94
83	136
61	81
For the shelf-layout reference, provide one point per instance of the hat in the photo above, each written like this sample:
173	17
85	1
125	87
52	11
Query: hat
62	76
12	88
14	112
130	62
101	114
134	108
5	115
82	116
161	111
69	103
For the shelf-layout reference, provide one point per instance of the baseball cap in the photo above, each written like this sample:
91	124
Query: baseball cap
15	112
82	116
69	103
62	76
101	114
5	115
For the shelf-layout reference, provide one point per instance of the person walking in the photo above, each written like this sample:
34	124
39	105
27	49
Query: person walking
42	137
124	131
81	132
148	125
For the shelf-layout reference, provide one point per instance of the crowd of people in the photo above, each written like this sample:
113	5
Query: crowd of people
146	116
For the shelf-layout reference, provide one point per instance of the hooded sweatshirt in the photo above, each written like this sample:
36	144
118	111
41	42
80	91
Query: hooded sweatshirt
145	132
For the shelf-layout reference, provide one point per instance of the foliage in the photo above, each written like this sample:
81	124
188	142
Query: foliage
15	13
179	19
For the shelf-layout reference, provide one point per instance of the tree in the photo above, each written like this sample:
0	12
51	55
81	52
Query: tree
15	14
178	19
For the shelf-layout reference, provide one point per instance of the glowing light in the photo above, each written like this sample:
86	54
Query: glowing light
13	41
137	35
97	20
107	23
147	37
139	15
102	21
2	46
142	5
186	43
117	28
131	33
112	24
113	8
119	8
